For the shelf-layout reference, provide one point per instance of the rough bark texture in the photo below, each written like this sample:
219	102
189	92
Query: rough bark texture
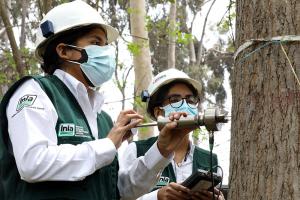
265	157
141	61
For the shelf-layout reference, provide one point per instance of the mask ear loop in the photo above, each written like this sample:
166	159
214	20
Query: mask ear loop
84	57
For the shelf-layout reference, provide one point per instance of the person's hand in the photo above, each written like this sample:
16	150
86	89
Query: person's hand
207	195
126	120
170	137
173	191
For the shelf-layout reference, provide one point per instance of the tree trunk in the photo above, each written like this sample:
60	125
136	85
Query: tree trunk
23	24
44	7
172	35
47	5
142	60
265	158
15	50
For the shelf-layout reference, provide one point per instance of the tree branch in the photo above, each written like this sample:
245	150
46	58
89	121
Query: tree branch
202	35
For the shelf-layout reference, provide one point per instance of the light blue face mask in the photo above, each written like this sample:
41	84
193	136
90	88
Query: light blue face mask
98	63
183	108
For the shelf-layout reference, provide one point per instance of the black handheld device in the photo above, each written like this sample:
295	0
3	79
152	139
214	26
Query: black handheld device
201	180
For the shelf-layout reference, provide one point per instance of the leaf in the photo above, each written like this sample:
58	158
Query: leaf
134	48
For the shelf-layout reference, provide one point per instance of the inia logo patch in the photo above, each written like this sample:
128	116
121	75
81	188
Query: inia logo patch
25	101
66	129
163	181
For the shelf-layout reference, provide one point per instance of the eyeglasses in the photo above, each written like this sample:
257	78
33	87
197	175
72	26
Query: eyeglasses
176	101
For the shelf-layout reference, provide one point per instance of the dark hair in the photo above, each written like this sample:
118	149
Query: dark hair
51	60
159	96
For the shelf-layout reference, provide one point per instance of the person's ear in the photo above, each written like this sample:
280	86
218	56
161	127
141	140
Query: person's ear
158	111
64	52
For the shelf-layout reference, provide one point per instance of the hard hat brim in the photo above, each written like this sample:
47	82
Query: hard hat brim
191	81
112	35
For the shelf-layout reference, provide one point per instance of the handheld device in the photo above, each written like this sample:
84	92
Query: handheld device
201	180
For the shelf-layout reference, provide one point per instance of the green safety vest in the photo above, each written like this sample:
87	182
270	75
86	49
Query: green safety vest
201	160
71	128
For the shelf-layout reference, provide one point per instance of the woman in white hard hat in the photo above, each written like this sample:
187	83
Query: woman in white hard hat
172	91
55	141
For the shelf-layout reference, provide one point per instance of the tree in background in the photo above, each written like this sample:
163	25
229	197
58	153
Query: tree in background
172	34
16	57
142	58
265	147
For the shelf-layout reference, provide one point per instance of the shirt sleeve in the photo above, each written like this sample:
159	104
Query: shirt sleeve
138	176
31	125
150	196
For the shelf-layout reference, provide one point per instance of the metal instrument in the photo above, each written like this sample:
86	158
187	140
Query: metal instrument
211	119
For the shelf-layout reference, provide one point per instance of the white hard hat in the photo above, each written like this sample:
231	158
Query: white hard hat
68	16
166	77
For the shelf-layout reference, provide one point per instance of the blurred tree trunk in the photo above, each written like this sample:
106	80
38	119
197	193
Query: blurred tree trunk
172	35
15	49
47	5
44	7
23	24
141	60
265	138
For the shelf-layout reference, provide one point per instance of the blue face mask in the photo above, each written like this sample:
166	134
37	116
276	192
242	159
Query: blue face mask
183	108
97	63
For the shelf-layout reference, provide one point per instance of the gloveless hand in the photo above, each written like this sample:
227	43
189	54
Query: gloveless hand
126	120
207	195
170	137
174	191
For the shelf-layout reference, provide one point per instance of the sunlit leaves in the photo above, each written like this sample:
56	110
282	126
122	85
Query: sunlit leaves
134	48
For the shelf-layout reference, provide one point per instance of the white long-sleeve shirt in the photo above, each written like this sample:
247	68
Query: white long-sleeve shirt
182	170
33	137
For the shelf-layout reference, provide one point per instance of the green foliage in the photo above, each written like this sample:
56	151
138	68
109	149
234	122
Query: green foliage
10	60
31	63
134	48
183	38
224	27
200	134
3	78
152	25
130	10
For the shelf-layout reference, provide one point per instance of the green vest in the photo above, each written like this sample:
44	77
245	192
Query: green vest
201	160
71	128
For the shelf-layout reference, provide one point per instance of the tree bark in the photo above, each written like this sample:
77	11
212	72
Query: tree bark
264	154
141	61
15	50
172	35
